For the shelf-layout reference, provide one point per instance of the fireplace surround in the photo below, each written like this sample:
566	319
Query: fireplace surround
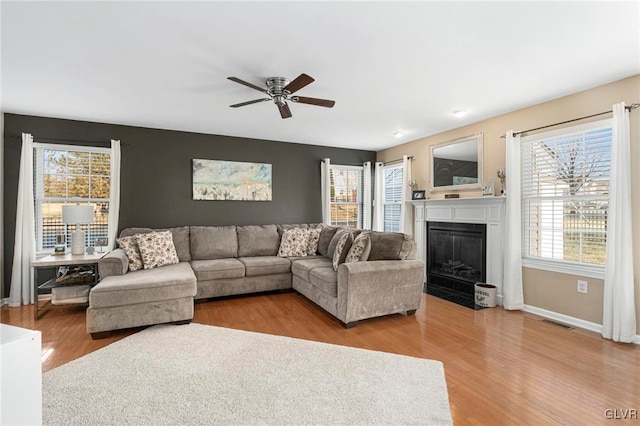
487	211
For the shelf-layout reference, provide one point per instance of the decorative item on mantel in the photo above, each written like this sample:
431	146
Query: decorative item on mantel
487	189
502	175
451	195
418	194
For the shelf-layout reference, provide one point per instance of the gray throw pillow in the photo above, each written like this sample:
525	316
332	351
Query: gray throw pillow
342	248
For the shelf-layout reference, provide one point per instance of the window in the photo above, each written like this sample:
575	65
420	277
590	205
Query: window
565	194
69	175
347	194
392	197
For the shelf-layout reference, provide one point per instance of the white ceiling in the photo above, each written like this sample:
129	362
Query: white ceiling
390	66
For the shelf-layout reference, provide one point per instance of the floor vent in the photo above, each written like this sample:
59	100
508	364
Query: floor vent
557	324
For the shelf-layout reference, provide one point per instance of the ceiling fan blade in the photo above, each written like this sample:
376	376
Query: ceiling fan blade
314	101
298	83
253	86
255	101
285	112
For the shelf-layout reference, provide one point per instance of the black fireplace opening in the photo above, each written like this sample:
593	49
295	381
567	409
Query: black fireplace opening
456	260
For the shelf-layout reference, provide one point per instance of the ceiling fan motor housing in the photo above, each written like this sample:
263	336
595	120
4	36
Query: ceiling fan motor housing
275	86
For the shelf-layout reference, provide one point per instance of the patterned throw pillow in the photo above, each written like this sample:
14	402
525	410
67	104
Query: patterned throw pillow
294	242
314	239
130	246
342	248
360	249
157	249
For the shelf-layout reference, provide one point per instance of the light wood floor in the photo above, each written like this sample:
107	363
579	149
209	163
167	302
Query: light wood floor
501	367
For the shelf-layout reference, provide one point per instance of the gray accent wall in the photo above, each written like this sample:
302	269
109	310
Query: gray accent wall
156	174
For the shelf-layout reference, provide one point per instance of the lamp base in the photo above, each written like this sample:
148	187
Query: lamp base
77	241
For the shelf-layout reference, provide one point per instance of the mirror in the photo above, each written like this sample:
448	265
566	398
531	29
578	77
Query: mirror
457	164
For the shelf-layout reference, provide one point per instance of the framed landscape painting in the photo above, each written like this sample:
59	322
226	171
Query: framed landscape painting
231	180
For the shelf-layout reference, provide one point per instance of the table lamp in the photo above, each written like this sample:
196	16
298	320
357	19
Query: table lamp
77	215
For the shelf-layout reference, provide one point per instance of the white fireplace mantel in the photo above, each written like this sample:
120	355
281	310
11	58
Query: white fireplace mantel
487	210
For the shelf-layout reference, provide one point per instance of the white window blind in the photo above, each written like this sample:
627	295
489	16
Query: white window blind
70	175
565	194
347	189
392	197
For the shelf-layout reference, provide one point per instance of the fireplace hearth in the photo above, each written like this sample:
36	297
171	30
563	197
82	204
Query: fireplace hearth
456	259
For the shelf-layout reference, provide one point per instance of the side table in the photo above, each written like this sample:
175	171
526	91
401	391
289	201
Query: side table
55	261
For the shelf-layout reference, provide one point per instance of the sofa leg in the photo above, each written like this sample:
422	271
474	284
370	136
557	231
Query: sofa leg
411	312
182	322
100	335
350	324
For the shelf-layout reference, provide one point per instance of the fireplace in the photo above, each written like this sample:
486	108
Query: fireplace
456	260
486	211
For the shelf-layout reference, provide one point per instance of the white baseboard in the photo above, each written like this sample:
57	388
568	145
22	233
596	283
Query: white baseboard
566	319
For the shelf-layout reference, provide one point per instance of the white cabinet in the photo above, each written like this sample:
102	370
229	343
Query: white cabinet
20	376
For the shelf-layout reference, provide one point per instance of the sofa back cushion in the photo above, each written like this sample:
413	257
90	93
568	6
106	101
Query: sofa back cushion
179	234
258	240
391	246
213	242
326	235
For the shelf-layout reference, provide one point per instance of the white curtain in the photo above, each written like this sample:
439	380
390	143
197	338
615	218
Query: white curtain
24	249
619	316
513	298
406	213
366	195
325	188
114	196
378	202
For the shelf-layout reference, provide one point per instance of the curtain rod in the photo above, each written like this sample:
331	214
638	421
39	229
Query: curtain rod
37	139
628	108
397	160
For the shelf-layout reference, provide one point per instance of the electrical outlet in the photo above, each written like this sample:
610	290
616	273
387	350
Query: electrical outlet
583	286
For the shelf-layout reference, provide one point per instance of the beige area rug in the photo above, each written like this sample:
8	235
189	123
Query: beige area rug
198	374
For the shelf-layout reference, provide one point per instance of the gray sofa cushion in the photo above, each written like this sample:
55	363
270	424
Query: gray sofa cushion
213	242
147	285
325	279
180	236
326	235
258	240
265	265
391	246
303	267
217	269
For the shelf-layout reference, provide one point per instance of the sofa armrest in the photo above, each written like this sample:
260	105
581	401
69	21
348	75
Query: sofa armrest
115	262
376	288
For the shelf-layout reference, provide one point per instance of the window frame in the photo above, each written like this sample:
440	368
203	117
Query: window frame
39	198
359	197
559	265
384	195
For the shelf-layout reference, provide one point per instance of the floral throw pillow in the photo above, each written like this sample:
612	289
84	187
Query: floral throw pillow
314	239
157	249
130	246
294	242
342	248
360	249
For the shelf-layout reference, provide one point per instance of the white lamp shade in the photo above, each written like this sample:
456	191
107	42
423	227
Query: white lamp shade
77	214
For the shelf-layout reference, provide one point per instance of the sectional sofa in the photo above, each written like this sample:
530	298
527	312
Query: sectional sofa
214	261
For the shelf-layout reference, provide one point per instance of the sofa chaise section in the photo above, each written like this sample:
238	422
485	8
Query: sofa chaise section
140	298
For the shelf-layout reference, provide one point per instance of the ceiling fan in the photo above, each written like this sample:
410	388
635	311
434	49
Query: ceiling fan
280	90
